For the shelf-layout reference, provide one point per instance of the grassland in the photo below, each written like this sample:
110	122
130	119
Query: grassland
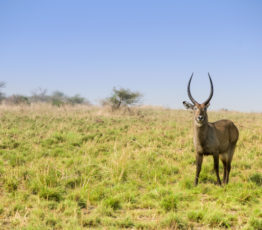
88	168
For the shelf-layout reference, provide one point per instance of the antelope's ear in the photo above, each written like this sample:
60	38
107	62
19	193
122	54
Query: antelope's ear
207	105
188	105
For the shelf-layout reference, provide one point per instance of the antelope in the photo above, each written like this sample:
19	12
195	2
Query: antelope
212	138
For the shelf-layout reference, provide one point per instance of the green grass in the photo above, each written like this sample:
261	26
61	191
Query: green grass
89	168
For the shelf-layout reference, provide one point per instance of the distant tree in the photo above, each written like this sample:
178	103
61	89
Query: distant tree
2	95
123	97
17	100
77	99
58	98
40	95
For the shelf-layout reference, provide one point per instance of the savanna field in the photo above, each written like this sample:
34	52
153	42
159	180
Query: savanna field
89	168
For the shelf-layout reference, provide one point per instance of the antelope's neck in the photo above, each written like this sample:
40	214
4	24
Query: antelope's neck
200	134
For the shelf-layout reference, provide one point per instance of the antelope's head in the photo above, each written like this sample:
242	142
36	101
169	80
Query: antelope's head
200	110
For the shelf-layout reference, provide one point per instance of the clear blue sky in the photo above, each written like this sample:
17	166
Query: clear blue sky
88	47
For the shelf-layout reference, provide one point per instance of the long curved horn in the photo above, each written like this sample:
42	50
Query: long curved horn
211	92
189	92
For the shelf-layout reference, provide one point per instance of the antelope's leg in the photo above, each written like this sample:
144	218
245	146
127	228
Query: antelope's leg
224	159
216	167
199	160
231	153
225	171
228	171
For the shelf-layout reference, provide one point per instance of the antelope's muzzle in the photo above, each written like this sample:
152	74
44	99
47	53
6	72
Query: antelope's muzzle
200	118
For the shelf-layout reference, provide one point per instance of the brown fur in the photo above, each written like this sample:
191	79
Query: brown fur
218	139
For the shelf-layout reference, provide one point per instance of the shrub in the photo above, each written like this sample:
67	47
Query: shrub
55	194
40	95
169	203
17	100
173	221
122	97
256	223
77	99
2	96
256	178
92	221
58	98
113	203
196	216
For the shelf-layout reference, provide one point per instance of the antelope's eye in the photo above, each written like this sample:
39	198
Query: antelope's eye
195	108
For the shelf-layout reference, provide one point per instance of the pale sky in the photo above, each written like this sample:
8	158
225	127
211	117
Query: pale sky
88	47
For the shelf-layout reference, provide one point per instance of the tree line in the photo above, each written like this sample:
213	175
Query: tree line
119	98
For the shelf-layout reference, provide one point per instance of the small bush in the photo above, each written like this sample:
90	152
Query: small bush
196	216
73	182
92	221
2	85
52	205
77	99
81	203
1	209
256	224
246	196
125	223
55	194
217	219
17	100
169	203
187	183
51	221
11	184
256	178
173	221
113	203
59	99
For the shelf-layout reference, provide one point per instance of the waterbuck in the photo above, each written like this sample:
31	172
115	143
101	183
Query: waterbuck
217	138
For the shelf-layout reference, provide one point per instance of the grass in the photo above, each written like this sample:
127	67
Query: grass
88	168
